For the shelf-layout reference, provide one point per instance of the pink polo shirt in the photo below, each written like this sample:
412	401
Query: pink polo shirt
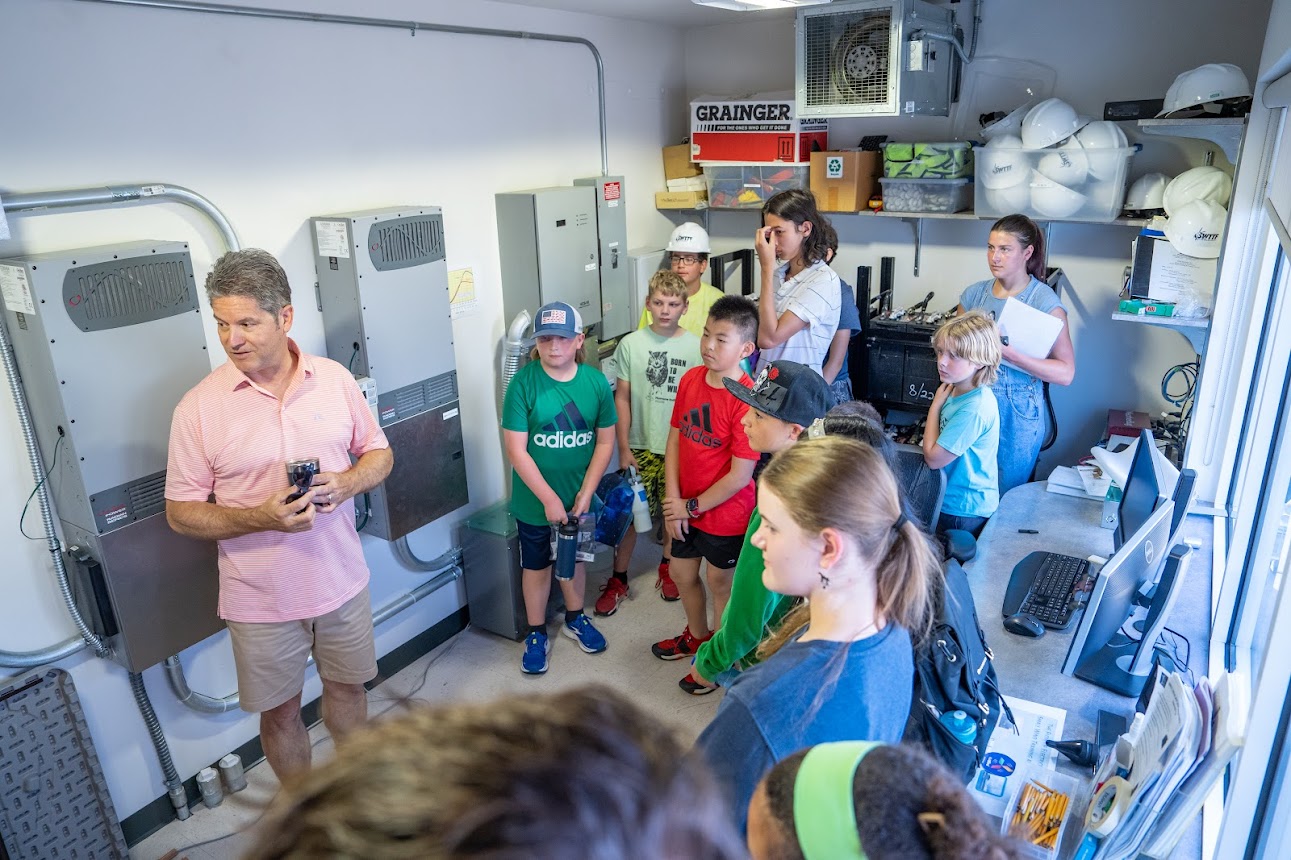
233	438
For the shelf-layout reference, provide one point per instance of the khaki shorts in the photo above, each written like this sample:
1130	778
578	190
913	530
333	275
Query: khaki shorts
271	657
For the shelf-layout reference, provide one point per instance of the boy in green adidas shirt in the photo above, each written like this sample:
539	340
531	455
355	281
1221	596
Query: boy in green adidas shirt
784	400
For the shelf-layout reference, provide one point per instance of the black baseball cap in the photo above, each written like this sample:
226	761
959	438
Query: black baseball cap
787	390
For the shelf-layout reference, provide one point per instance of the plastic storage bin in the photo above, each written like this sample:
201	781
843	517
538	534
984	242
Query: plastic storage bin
1041	834
748	186
952	160
926	195
1060	182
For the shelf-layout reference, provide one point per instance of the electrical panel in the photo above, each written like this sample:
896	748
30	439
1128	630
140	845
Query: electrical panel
550	252
874	58
642	264
383	293
612	231
107	341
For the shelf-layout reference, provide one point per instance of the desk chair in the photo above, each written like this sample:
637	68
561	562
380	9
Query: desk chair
924	489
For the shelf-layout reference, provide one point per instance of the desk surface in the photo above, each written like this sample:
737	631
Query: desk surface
1032	668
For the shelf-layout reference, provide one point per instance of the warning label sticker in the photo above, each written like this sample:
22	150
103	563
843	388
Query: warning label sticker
16	290
332	241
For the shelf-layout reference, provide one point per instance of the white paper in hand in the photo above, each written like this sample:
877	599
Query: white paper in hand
1030	332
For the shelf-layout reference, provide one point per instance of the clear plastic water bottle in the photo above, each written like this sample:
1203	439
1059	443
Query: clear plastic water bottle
640	504
566	548
961	726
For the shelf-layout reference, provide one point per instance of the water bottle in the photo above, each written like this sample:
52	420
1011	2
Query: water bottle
566	548
640	504
959	725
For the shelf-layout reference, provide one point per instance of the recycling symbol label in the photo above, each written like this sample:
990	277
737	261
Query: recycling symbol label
834	167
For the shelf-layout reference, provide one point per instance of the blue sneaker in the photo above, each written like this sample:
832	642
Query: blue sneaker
536	648
582	632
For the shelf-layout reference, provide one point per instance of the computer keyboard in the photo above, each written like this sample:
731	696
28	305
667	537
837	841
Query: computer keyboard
1049	586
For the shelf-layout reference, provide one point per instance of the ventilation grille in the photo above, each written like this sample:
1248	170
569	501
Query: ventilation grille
406	242
126	292
148	496
410	400
441	389
847	59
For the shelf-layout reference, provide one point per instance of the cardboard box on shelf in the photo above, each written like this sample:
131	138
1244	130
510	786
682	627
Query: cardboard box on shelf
761	128
844	181
690	183
677	163
1163	274
680	199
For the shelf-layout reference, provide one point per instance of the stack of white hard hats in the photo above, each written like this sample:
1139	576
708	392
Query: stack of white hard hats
1196	202
1076	166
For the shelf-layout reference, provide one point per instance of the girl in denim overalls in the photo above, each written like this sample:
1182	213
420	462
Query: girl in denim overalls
1015	254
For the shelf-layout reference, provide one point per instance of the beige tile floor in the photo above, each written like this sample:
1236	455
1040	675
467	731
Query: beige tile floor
473	666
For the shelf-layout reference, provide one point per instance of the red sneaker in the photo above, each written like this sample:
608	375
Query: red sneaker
667	588
688	684
684	645
613	592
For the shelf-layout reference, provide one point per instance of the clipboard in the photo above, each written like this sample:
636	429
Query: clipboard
1029	331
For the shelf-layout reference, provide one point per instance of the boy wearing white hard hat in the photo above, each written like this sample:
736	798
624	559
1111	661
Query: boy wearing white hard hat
688	251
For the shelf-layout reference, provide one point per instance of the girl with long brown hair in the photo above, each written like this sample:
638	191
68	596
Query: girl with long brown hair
840	666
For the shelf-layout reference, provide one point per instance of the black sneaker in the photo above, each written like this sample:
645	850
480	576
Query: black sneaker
688	684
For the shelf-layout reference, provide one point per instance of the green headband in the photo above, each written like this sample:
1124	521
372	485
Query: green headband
824	813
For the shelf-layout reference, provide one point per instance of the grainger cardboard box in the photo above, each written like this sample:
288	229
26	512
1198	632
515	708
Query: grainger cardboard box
680	199
844	181
760	128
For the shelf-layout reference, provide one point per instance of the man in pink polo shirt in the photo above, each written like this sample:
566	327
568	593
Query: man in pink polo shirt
292	573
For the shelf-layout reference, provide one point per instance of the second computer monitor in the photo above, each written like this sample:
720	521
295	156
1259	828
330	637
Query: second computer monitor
1112	600
1141	493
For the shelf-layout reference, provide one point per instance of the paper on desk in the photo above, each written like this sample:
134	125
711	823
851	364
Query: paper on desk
1010	751
1030	332
1068	481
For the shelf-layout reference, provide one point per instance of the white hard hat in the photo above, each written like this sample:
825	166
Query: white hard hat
1103	135
1053	200
1002	163
689	238
1049	122
1066	164
1146	192
1003	201
1197	229
1212	82
1200	183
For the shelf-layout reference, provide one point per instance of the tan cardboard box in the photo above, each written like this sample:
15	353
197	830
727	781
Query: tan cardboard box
680	199
843	181
677	163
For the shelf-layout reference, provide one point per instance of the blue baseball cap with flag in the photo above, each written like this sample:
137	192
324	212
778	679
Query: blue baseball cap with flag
558	318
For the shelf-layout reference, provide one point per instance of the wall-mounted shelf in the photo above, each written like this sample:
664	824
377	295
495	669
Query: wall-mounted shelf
1195	330
1225	131
916	219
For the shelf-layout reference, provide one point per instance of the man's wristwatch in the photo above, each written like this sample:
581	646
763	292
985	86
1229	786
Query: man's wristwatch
692	507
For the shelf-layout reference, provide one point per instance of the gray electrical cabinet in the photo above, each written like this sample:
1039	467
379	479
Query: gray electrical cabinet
612	231
549	250
642	264
383	293
107	341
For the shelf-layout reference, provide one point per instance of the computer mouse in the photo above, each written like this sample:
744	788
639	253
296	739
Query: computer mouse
1023	624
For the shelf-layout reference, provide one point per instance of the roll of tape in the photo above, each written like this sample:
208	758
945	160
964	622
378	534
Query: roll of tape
1109	805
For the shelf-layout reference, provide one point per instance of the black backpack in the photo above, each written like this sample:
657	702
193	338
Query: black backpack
953	672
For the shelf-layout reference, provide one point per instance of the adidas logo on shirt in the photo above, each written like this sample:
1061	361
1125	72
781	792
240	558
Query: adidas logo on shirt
566	430
697	426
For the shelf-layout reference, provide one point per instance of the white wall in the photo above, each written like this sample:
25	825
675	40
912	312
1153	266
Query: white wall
275	122
1103	50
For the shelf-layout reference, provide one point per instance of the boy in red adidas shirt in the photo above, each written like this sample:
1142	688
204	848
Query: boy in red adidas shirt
708	472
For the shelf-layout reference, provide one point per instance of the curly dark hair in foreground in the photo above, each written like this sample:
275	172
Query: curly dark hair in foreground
579	772
892	786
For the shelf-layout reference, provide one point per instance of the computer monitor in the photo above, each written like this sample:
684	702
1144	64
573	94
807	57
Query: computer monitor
1184	493
1111	602
1141	493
